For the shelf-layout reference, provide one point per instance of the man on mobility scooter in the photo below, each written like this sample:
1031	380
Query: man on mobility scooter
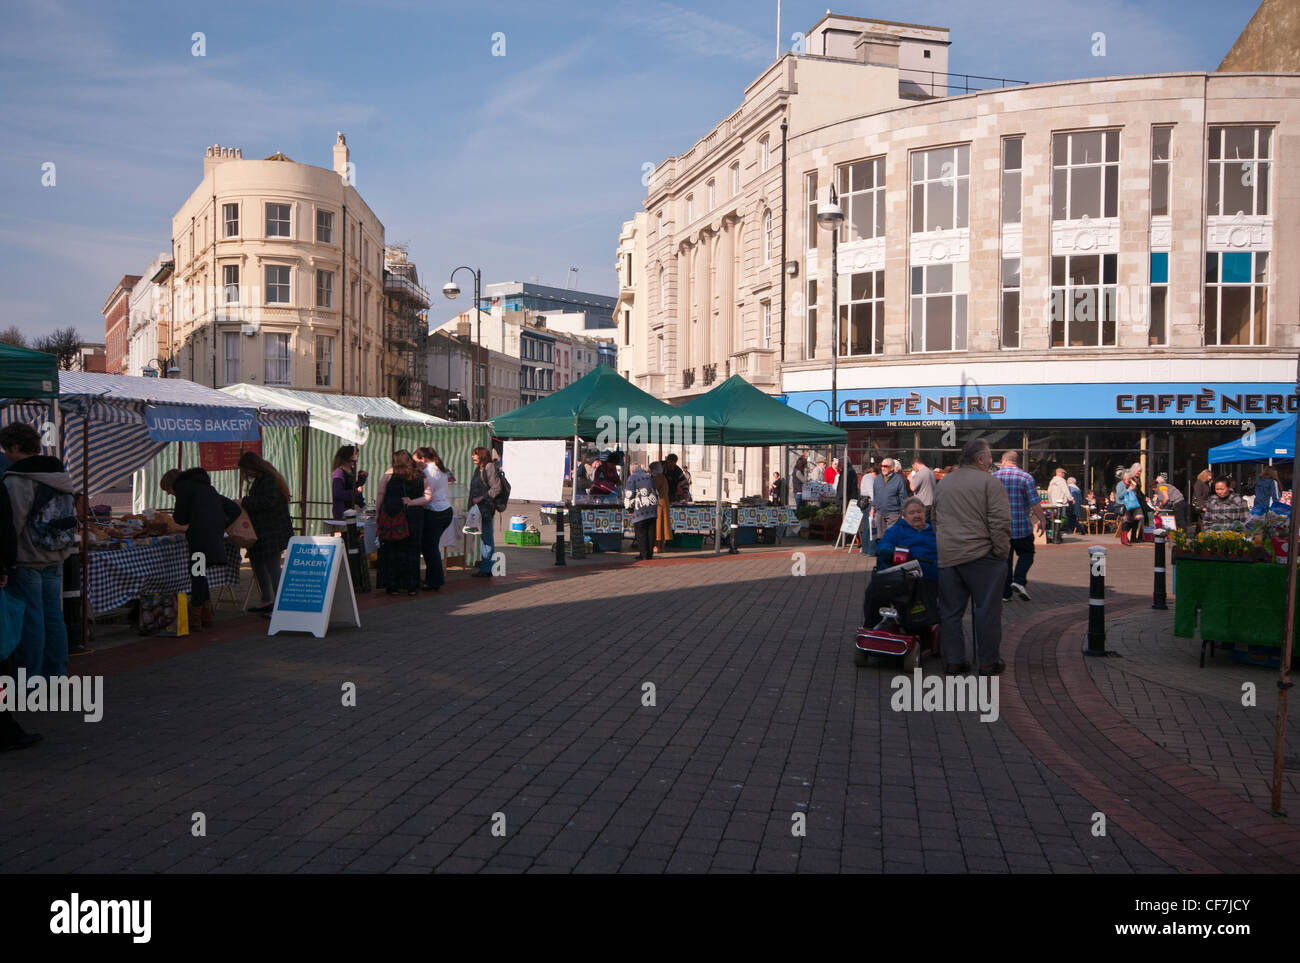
900	612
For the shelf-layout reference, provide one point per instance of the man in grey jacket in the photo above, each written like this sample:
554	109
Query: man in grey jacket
972	522
37	578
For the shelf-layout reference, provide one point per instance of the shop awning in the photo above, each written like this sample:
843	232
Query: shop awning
121	409
591	406
27	374
737	414
346	416
1277	442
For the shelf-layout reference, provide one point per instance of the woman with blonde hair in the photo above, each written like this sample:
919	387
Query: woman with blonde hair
267	504
1202	489
403	493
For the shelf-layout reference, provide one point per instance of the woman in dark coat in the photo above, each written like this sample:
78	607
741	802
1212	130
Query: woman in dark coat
208	514
403	491
267	504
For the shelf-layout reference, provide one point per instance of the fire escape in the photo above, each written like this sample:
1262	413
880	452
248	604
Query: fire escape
406	334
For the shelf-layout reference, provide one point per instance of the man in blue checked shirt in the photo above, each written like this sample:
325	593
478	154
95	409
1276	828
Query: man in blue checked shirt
1026	518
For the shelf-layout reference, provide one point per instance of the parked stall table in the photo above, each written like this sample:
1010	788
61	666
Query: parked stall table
1240	603
120	571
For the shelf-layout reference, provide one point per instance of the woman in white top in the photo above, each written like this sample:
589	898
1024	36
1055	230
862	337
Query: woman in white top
438	518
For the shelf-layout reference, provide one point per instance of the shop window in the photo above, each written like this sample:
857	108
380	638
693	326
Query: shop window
1236	298
810	337
1238	170
1084	301
940	189
1012	159
810	191
939	307
862	319
861	187
1085	175
1161	155
1010	302
1158	326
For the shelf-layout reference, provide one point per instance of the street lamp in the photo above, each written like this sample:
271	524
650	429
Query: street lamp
830	216
165	367
451	290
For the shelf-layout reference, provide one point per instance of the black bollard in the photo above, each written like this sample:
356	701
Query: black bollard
358	567
1096	601
1158	595
560	522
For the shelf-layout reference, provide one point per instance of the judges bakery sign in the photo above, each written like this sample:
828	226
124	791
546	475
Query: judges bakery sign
1178	404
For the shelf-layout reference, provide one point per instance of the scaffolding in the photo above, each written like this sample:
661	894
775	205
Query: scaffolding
406	329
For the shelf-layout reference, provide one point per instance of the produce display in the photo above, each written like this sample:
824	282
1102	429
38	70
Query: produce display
130	527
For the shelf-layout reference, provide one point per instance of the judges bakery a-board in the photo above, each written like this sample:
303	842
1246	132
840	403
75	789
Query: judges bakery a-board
312	593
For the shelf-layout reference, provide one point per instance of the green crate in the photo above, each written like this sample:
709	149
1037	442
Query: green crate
523	538
687	540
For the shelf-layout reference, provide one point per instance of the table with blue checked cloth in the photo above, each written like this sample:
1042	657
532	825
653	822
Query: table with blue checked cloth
692	519
162	564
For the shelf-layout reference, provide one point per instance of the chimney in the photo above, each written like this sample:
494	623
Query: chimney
341	155
880	49
217	154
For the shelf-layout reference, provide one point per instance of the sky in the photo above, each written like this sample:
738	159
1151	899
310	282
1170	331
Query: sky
524	164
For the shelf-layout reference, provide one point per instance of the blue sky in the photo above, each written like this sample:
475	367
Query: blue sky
524	165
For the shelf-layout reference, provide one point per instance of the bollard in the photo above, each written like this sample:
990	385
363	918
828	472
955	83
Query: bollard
1158	595
1096	601
358	567
560	522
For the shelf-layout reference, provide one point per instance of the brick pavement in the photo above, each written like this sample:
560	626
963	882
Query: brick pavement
524	697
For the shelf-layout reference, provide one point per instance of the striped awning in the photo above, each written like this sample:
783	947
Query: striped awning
119	441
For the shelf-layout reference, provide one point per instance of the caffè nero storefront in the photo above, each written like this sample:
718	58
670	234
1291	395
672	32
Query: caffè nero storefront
1090	430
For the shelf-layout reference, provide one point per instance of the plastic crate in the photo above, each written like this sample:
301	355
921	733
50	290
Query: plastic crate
523	538
688	540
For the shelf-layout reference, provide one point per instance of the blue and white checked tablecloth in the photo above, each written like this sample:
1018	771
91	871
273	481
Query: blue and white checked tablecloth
692	519
161	564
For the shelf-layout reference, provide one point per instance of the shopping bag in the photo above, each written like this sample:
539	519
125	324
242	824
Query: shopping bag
164	614
473	521
241	532
393	528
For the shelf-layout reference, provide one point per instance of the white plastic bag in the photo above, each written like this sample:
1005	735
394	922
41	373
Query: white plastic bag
473	521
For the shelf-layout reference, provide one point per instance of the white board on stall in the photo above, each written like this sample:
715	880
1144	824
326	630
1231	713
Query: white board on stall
852	519
535	470
315	587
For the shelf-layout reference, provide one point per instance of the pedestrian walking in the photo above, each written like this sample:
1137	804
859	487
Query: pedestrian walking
643	502
1134	518
1058	494
1026	518
267	504
403	493
346	483
437	518
847	477
1078	510
43	527
923	482
972	524
664	513
1266	489
208	513
1202	489
484	488
12	734
887	499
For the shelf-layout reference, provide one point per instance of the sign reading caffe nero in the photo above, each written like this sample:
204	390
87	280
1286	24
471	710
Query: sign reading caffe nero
1188	404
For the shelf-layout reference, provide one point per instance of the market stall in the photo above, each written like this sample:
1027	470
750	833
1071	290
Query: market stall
109	425
736	413
377	426
603	407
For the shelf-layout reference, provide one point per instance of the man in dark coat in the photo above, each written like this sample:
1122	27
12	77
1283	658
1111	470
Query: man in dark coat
208	514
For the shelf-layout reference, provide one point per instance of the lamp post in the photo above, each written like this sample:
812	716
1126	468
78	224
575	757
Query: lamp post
164	368
451	290
830	216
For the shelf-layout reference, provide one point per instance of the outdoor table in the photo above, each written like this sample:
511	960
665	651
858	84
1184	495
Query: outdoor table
122	570
1240	603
